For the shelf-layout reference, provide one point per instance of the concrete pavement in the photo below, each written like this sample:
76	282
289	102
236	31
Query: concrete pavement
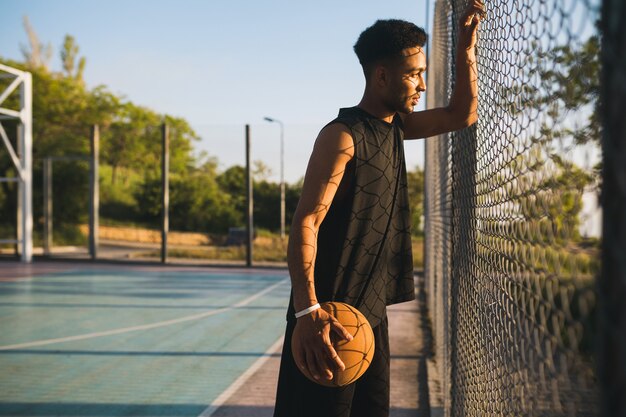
409	340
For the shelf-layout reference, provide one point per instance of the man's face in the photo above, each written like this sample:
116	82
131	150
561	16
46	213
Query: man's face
406	80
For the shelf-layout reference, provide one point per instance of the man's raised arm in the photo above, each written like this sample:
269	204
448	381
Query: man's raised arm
461	111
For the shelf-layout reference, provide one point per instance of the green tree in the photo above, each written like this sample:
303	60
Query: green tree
36	54
182	137
261	171
233	182
196	202
69	55
292	197
132	140
267	205
562	102
64	110
415	180
570	81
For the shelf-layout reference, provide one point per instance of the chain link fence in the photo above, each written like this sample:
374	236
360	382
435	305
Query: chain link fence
512	222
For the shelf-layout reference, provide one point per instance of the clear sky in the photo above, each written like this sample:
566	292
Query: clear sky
221	64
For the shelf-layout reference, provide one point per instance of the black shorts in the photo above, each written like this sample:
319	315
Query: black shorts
368	396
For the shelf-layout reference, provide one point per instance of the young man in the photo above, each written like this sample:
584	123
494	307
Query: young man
350	239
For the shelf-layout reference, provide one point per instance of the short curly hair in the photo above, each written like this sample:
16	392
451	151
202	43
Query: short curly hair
386	39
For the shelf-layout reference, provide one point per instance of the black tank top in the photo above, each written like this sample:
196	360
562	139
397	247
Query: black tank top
364	255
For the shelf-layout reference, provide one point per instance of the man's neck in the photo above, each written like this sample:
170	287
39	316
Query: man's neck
376	108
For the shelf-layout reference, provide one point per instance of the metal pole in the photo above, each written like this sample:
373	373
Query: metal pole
19	233
165	180
282	174
94	188
427	49
611	285
250	202
47	206
26	118
426	167
282	181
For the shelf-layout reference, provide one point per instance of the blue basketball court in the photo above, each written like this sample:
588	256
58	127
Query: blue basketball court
107	340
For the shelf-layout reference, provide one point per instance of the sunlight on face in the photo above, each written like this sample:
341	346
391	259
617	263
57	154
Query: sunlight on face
408	80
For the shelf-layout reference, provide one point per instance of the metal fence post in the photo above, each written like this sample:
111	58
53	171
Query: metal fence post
47	206
94	195
26	138
249	202
612	281
165	184
19	233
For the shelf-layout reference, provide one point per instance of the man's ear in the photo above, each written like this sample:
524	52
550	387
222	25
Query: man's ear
381	75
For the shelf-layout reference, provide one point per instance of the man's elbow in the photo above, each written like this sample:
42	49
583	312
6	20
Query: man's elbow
462	117
306	221
469	120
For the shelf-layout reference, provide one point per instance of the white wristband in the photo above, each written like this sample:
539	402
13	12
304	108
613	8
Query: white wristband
307	310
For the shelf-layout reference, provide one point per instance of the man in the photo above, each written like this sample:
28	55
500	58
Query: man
350	238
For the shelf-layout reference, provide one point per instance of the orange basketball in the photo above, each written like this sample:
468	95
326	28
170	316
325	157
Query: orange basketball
356	354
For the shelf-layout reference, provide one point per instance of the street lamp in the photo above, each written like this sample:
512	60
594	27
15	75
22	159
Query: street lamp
282	175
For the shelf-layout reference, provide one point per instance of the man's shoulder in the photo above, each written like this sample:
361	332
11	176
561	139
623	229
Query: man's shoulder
349	120
347	116
341	125
353	114
336	133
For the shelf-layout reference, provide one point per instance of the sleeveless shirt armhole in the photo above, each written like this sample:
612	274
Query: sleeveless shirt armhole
345	123
351	165
349	128
399	122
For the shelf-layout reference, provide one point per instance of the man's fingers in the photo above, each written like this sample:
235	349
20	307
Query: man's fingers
311	364
475	11
478	8
302	363
322	365
334	357
476	14
341	331
316	356
299	359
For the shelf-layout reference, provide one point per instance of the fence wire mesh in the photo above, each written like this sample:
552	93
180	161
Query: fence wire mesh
512	232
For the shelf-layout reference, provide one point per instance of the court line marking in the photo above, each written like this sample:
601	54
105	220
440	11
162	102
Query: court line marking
14	279
243	378
145	326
